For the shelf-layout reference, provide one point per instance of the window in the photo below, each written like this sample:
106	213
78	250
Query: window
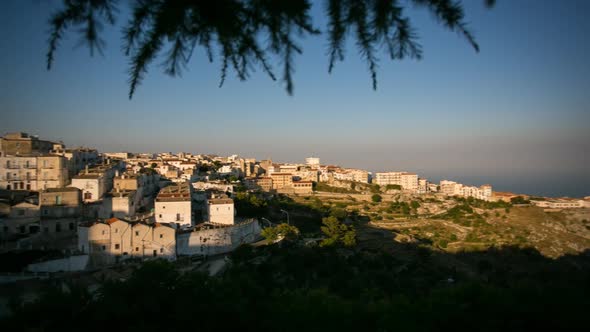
116	230
57	227
178	217
155	253
117	246
87	195
104	248
161	250
160	215
161	236
136	233
71	226
58	200
136	248
103	232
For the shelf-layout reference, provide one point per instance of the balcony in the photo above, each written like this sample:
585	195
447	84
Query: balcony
19	178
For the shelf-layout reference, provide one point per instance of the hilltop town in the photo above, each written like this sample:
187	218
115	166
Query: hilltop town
78	208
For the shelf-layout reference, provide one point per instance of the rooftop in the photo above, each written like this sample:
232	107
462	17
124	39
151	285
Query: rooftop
220	201
60	190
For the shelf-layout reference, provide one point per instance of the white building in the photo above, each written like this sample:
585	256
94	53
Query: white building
221	211
174	205
409	181
561	203
116	238
406	180
92	186
312	161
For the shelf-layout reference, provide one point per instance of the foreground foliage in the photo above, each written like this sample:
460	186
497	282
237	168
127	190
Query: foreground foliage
298	288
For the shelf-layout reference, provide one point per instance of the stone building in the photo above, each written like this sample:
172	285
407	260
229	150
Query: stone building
60	202
115	239
15	144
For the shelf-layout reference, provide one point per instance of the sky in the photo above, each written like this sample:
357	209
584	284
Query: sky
515	115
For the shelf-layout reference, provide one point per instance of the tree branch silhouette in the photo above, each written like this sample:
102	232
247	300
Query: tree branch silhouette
248	33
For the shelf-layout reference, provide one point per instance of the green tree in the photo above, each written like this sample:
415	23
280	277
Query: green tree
376	198
393	187
339	213
337	233
519	200
235	29
375	188
286	231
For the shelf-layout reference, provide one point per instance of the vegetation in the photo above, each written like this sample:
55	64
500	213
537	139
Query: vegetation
250	205
281	231
400	207
393	187
519	200
322	186
337	233
376	198
320	289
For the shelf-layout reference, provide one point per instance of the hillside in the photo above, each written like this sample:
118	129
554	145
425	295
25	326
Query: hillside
457	224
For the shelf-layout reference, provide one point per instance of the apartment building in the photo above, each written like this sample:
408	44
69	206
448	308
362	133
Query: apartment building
351	174
281	180
407	181
77	159
33	172
385	178
260	183
453	188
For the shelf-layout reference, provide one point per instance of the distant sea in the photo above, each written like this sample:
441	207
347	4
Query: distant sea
562	185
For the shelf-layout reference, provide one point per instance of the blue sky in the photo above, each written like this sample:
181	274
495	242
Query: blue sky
515	114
